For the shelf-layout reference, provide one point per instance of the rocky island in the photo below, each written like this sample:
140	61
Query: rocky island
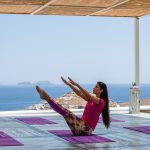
69	100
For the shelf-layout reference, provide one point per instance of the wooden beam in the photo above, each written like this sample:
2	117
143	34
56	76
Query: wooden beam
44	6
108	8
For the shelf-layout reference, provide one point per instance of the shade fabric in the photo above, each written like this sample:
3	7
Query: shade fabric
111	8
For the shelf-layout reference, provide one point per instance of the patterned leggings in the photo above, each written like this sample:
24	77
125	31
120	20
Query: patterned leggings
77	126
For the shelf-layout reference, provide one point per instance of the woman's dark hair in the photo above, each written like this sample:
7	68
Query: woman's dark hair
104	96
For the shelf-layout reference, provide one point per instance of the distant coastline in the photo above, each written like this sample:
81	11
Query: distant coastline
28	83
19	97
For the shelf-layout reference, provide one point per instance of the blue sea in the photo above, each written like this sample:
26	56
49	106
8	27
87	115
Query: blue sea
20	97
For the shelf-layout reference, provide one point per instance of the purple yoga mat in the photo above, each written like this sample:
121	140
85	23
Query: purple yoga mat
87	139
144	129
111	120
35	121
6	140
68	136
61	133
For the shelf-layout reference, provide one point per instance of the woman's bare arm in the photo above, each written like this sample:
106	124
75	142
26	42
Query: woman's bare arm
87	94
84	92
78	92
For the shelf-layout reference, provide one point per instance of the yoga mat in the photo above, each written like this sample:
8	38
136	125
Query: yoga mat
68	136
143	129
111	120
87	139
61	133
35	121
6	140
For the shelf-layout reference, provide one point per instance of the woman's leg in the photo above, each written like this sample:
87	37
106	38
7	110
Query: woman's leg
77	126
55	106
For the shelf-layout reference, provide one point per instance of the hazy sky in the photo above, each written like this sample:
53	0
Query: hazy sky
37	48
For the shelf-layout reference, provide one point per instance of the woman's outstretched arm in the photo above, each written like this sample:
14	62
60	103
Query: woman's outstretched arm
84	92
78	92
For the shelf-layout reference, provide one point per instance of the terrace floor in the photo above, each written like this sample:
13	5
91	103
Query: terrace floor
37	136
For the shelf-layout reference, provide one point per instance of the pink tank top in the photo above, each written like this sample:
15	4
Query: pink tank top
92	112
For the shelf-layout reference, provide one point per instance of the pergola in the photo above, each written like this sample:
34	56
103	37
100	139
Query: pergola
103	8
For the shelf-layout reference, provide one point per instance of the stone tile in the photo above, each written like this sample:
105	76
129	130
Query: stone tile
37	136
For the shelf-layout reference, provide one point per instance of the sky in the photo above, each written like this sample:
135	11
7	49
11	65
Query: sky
88	49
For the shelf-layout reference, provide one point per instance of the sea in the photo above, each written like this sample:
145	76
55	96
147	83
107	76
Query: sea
20	97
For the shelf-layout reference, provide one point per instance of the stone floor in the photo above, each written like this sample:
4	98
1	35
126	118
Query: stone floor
37	136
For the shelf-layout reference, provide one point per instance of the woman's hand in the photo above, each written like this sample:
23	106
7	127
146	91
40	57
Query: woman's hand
67	83
72	82
76	88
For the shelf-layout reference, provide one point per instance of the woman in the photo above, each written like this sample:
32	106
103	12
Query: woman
95	106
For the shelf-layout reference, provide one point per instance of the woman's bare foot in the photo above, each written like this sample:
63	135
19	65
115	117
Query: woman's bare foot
43	94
